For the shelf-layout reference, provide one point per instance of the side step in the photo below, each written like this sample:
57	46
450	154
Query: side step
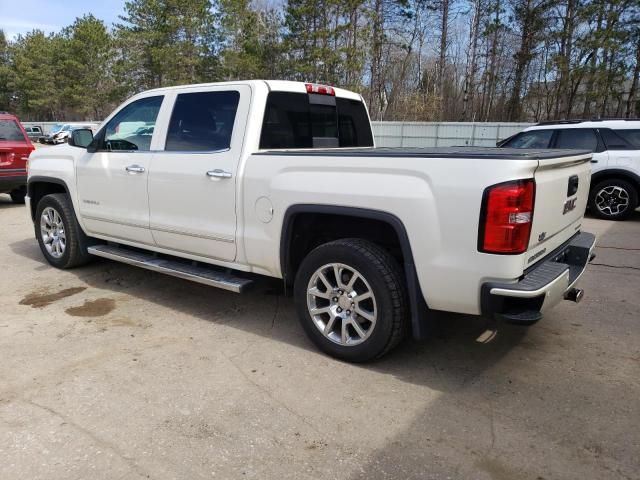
199	273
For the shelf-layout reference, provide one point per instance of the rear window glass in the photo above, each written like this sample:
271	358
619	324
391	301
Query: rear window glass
291	120
531	139
202	121
578	138
353	124
631	136
9	131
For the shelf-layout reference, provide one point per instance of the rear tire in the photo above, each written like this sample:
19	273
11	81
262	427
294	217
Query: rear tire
17	195
62	241
613	199
354	319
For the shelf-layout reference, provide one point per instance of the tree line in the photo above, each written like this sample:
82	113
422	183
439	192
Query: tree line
412	60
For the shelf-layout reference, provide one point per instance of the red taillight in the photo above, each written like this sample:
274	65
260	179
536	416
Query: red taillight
320	89
507	213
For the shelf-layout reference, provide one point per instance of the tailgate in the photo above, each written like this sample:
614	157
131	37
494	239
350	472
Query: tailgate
562	191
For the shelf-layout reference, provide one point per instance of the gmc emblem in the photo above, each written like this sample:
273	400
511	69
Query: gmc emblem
569	205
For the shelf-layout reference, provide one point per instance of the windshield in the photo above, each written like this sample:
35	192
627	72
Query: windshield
66	128
56	128
9	131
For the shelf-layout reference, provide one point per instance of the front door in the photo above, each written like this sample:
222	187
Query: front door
112	180
192	182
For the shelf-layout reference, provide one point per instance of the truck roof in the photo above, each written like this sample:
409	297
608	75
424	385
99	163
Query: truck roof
272	85
436	152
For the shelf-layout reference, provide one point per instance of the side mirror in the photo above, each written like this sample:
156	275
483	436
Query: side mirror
80	137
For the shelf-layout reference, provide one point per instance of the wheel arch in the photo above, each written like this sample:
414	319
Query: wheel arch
417	304
39	186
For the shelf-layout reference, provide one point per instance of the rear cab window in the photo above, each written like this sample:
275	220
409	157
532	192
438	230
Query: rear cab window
10	131
301	120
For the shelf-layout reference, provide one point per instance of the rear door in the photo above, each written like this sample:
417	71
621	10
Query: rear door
624	148
583	139
193	180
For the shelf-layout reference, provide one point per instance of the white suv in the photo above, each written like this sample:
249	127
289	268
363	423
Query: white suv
615	182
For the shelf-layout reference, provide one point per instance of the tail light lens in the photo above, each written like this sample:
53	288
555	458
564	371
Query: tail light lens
505	221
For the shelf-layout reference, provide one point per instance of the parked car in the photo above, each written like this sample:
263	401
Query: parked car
282	179
15	148
34	133
59	133
615	182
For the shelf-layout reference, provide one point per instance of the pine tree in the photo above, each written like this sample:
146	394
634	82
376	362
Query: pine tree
250	40
5	74
87	62
167	42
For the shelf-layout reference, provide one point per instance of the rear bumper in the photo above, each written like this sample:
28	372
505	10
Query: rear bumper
542	286
11	182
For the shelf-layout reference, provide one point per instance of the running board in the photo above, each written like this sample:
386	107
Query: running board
200	273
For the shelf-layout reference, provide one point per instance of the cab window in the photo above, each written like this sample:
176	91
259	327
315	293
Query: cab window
530	139
202	121
577	138
132	127
613	141
631	136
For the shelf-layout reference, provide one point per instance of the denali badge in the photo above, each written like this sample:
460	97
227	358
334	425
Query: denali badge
569	205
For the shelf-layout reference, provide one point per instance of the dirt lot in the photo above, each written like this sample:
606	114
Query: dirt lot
112	372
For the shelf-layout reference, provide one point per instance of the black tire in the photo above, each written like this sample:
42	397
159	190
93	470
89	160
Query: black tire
17	195
75	252
386	281
619	186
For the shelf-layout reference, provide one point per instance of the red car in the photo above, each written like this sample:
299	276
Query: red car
15	148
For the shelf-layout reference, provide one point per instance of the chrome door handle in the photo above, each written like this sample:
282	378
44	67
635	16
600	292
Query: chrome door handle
134	169
218	173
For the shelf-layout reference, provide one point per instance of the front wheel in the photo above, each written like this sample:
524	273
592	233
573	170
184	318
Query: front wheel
613	199
62	241
351	299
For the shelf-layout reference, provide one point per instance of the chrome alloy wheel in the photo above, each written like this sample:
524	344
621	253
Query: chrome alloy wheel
341	304
52	231
612	200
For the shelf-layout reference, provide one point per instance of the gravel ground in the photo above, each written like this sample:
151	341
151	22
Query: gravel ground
113	372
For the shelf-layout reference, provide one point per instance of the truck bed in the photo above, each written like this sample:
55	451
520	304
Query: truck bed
435	152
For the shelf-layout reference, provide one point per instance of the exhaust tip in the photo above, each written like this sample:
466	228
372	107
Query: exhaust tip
574	295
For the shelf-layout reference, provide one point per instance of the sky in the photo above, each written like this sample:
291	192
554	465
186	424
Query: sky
22	16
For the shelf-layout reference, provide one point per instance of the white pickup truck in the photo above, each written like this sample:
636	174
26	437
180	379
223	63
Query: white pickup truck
227	181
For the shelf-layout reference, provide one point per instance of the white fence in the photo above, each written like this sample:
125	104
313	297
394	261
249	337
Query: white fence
442	134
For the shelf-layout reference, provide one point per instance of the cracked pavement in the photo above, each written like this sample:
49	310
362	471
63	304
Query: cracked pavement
111	372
